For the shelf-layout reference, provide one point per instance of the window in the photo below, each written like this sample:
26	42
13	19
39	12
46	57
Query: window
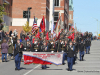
11	2
25	14
56	2
56	16
70	16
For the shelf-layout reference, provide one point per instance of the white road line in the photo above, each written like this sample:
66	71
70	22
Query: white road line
88	66
31	70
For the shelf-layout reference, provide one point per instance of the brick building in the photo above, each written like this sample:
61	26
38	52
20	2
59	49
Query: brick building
17	9
61	9
71	12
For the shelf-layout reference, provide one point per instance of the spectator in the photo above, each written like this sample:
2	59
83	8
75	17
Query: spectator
10	49
10	33
4	48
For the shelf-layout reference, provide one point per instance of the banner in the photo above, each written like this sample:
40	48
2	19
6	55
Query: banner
44	58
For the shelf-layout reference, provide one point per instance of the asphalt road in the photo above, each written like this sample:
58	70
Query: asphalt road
90	65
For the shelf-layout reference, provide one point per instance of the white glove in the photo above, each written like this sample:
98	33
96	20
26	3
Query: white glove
62	51
51	42
24	48
52	51
36	50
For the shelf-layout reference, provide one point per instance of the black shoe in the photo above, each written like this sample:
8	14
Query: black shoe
79	60
71	70
63	63
47	67
74	62
43	68
6	61
16	69
3	61
68	69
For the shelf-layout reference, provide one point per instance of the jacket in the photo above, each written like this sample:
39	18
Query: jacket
4	47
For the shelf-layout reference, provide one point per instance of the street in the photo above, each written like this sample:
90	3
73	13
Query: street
90	65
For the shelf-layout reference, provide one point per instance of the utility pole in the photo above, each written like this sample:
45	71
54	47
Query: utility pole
28	12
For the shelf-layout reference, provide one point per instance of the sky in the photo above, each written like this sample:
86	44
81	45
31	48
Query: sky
85	14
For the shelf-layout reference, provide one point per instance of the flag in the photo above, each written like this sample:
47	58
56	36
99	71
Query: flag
52	25
42	24
58	27
71	36
47	37
34	27
71	28
38	35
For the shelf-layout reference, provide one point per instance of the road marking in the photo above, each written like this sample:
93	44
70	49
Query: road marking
31	70
87	66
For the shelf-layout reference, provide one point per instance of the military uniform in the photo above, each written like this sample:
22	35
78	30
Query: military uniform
35	46
28	47
52	46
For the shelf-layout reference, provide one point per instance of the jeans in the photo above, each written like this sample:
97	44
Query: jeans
44	66
64	57
17	61
81	54
4	54
70	62
87	49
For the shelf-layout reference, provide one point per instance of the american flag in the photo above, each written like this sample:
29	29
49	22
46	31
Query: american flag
34	27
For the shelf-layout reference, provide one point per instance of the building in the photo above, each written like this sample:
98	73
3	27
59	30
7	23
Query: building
71	22
18	12
61	8
39	8
7	18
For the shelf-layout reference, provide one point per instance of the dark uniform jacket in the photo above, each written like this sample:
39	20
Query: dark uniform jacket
81	46
52	47
70	52
49	46
44	48
76	47
62	47
28	47
35	47
87	42
18	49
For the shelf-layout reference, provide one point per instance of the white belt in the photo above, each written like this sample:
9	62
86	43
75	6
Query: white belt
52	51
36	50
62	51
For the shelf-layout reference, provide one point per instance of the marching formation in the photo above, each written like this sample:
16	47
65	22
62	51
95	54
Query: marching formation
66	43
69	47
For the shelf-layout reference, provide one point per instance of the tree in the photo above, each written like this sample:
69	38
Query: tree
26	27
2	12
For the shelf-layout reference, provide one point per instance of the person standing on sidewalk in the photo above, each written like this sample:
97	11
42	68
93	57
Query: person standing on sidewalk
10	49
4	48
18	54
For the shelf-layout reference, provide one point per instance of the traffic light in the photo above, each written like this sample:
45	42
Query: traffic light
25	14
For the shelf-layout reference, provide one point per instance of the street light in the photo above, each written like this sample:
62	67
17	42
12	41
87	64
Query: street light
28	10
97	25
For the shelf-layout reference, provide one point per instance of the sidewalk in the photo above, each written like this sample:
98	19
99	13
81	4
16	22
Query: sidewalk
0	56
0	60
